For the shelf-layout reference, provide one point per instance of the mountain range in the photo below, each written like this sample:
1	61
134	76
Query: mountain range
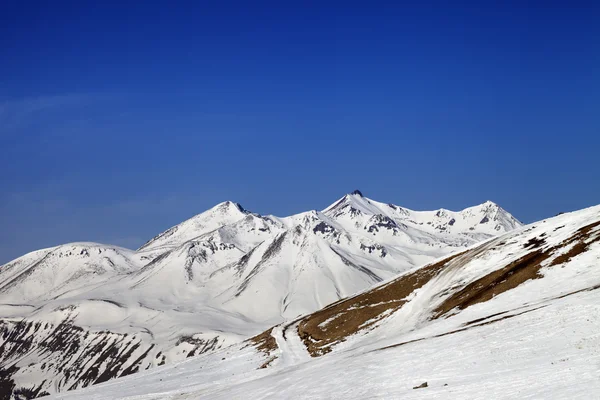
514	316
84	313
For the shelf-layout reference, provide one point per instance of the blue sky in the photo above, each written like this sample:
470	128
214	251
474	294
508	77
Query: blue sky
118	121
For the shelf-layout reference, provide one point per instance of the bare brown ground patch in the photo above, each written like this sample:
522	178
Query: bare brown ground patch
581	245
535	242
519	271
321	330
264	342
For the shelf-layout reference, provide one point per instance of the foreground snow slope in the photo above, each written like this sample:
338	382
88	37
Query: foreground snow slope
515	317
84	313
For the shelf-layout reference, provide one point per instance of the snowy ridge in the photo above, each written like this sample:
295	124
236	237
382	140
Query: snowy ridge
216	279
516	316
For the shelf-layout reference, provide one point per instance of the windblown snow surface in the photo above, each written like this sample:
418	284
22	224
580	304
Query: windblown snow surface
517	316
84	313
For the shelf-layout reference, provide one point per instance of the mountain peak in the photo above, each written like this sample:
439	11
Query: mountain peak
228	206
222	214
487	206
357	193
490	211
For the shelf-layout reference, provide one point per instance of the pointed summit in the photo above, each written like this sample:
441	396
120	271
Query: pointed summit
229	206
490	204
503	221
220	215
353	203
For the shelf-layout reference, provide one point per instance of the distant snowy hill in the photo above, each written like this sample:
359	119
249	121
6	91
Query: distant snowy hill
517	316
83	313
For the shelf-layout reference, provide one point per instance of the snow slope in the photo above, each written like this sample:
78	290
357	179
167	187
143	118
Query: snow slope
85	313
517	316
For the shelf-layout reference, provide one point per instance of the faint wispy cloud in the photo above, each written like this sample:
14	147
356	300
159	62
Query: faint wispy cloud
18	113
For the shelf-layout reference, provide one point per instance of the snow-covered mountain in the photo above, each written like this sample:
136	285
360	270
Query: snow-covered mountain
516	316
83	313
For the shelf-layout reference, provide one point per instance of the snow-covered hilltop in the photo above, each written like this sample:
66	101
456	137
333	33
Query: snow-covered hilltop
516	316
83	313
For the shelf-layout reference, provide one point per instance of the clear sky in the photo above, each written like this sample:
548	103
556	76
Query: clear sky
119	121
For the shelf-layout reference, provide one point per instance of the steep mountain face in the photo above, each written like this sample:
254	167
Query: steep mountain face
83	313
516	316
